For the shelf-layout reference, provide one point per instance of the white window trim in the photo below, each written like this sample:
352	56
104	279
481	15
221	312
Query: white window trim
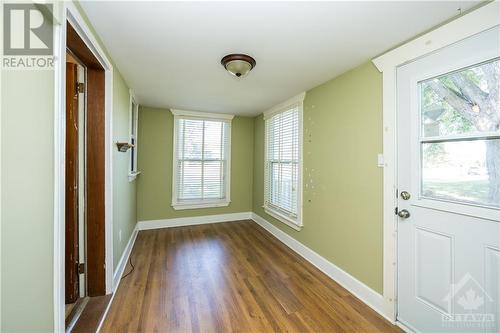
184	114
479	20
297	223
132	174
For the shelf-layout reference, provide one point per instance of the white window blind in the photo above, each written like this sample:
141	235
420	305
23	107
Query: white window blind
282	163
201	162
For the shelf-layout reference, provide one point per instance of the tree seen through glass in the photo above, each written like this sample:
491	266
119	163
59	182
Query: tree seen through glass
462	103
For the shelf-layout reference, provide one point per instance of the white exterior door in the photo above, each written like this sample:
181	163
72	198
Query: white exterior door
449	188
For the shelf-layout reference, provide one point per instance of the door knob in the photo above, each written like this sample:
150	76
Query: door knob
404	214
405	195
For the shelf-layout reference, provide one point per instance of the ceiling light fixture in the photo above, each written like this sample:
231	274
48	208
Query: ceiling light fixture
238	64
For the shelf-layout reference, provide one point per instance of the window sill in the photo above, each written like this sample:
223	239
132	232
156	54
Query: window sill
180	206
282	218
133	175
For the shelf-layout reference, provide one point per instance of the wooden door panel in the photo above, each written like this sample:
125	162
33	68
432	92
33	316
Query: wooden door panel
95	183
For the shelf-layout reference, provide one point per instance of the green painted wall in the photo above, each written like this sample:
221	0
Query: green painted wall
27	200
27	175
124	192
154	188
342	183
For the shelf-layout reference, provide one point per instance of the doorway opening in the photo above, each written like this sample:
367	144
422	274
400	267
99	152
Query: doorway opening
85	268
75	231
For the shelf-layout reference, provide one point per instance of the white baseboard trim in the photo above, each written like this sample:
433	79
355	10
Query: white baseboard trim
405	327
185	221
124	259
370	297
118	273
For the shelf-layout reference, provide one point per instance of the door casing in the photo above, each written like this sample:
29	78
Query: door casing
67	12
95	161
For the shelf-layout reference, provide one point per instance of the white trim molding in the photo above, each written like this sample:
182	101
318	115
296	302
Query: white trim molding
124	259
205	115
133	127
479	20
298	99
70	13
291	220
283	218
227	128
55	198
196	220
205	204
370	297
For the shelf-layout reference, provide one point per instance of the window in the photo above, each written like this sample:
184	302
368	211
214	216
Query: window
133	120
201	163
460	136
283	162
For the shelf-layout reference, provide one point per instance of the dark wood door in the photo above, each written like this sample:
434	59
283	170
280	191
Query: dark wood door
71	259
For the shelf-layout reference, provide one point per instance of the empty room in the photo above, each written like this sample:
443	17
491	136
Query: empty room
250	166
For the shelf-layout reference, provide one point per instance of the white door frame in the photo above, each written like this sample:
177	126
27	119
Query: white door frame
64	12
481	19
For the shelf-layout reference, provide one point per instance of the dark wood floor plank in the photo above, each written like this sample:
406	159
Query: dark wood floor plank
230	277
92	314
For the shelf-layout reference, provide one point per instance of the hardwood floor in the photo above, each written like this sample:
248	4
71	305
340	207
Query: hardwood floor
91	316
230	277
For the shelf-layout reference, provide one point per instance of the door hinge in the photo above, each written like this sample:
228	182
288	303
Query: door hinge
81	268
81	87
396	211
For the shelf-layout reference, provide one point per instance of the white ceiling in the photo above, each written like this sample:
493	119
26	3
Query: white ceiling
169	52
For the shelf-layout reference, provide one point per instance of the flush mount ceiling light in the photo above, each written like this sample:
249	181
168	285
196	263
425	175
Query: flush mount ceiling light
238	64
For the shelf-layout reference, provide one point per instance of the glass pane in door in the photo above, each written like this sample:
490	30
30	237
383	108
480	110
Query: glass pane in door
458	171
462	102
460	135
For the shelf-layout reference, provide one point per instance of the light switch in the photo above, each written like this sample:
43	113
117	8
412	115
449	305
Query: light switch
380	160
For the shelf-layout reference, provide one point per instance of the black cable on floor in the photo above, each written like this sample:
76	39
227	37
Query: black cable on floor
130	262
